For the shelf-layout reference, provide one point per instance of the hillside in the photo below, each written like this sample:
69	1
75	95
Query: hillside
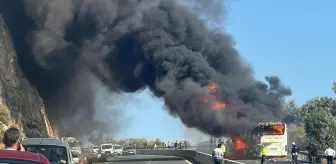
20	104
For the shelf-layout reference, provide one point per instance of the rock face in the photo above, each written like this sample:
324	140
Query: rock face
20	104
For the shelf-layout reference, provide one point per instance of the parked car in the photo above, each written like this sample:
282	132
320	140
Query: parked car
52	149
129	150
19	157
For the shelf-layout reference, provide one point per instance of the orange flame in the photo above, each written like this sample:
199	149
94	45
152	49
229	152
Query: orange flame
212	100
278	128
239	143
218	105
212	87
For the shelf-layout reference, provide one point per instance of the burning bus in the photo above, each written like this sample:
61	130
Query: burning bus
274	136
271	134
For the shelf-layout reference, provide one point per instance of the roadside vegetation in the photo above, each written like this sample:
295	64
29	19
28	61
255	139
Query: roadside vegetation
314	122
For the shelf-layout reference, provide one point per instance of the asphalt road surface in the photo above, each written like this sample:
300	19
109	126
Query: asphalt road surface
146	159
156	159
268	162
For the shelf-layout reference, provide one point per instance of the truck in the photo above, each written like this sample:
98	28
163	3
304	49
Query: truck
75	145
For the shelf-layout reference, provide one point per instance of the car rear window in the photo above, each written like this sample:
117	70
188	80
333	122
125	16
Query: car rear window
16	161
53	153
106	146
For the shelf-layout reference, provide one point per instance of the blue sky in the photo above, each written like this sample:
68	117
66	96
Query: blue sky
292	39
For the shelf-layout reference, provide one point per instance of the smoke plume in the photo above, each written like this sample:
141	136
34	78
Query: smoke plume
65	45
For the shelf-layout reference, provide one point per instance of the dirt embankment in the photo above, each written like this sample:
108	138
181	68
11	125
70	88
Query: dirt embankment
20	103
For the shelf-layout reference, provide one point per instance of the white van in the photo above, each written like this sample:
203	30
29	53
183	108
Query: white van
107	149
118	150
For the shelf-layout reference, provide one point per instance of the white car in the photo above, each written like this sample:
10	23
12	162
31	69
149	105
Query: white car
118	150
94	149
49	148
107	149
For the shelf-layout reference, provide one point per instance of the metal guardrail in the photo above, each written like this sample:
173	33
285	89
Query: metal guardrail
303	156
186	154
319	158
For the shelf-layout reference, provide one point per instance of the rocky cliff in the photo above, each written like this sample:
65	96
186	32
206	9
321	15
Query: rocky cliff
20	104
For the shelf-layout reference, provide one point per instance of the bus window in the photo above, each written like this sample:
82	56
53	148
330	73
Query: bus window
273	129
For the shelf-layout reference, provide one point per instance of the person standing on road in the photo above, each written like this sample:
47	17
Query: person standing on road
295	152
223	147
330	153
263	154
11	140
218	155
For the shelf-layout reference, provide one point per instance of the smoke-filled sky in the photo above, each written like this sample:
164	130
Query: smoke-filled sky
132	44
259	27
128	45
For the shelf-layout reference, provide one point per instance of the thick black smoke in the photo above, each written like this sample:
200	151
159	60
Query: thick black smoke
64	45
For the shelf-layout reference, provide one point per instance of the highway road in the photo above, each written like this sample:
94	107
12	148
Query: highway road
268	162
146	159
156	159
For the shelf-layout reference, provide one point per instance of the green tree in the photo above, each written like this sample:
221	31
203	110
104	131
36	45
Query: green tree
334	86
319	122
300	133
321	129
293	113
327	103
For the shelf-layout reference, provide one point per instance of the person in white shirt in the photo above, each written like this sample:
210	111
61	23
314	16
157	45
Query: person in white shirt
218	155
155	146
330	153
11	140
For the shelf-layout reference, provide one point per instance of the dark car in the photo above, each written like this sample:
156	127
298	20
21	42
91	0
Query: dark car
19	157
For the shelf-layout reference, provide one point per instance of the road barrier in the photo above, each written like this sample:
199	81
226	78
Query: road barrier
319	158
186	154
206	158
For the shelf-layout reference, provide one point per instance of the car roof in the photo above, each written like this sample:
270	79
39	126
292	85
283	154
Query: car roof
10	154
44	141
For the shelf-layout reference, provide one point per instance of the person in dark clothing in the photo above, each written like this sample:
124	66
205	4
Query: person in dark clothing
295	153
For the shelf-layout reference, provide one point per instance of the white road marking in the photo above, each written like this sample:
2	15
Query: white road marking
188	162
149	162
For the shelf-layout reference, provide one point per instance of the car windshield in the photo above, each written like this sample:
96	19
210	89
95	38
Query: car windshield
16	161
106	146
117	147
53	153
